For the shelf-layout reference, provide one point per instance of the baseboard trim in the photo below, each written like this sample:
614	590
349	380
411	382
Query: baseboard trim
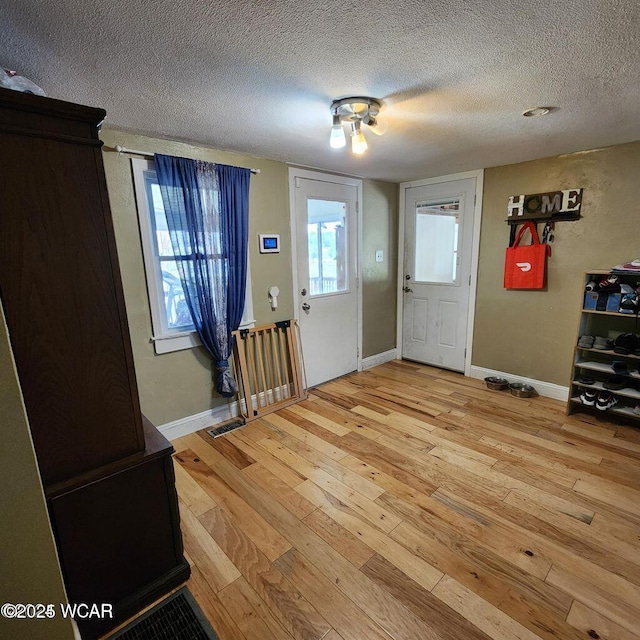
198	421
379	358
206	419
546	389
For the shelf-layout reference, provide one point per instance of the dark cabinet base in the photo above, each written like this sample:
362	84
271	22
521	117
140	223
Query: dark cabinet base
118	535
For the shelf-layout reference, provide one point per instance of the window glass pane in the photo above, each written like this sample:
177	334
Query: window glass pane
327	246
175	305
436	242
162	239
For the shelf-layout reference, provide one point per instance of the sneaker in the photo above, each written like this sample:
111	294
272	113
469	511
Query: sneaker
586	380
602	344
605	401
588	398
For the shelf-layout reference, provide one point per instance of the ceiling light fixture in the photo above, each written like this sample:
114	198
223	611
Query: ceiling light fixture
536	111
355	111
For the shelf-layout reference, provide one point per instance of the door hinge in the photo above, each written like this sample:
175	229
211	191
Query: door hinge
465	353
469	279
357	207
474	200
296	182
358	352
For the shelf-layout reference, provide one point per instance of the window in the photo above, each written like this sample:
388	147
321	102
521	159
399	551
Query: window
327	246
172	324
437	240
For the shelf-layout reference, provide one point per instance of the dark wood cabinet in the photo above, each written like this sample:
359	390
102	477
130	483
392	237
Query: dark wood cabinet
107	476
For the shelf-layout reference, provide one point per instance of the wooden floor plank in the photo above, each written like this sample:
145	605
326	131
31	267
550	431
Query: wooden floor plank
266	537
250	612
216	568
287	604
346	544
344	616
221	620
479	612
408	502
596	598
445	622
280	490
593	625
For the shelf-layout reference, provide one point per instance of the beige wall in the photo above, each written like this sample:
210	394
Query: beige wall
532	333
179	384
29	570
379	279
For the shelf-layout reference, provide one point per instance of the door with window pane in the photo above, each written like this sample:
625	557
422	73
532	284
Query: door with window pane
327	294
437	268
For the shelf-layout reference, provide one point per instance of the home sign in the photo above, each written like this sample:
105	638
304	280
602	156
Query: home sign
555	205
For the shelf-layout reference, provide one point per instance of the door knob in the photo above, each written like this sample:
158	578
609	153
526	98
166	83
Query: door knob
407	290
306	306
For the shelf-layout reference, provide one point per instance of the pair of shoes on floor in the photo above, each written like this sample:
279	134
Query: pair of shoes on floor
602	344
586	342
602	400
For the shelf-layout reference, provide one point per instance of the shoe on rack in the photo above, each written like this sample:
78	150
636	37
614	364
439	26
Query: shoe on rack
605	401
602	344
615	383
586	342
589	398
636	409
625	343
620	367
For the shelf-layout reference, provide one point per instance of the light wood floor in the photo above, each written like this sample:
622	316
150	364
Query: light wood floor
408	502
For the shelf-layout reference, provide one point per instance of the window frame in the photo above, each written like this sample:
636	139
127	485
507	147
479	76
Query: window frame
164	338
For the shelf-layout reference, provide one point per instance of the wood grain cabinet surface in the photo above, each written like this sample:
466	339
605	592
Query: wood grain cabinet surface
103	469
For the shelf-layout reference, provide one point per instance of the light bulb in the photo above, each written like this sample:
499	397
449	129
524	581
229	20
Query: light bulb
337	140
358	141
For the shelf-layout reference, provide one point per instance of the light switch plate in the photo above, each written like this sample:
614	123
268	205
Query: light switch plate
379	255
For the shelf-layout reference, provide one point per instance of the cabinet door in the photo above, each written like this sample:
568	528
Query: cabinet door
60	289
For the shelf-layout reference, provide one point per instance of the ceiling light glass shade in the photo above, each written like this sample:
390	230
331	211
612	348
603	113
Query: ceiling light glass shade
358	141
337	139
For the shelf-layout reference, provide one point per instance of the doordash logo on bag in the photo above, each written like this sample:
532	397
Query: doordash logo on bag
524	266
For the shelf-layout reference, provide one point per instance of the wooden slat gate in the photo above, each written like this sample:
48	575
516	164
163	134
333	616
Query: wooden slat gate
268	368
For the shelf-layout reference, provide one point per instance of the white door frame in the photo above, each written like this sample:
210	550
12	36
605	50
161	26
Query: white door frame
475	247
294	173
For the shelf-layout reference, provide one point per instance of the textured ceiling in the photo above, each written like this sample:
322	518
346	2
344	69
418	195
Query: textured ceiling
258	76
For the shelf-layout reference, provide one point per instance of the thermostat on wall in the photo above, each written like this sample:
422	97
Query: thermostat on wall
269	243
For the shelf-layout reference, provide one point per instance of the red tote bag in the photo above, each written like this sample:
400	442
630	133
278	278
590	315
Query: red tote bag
525	266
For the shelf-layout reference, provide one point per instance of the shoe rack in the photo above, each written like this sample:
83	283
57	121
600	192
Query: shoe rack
597	363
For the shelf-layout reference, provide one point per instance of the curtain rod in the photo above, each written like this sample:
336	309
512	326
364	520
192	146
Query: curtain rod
120	149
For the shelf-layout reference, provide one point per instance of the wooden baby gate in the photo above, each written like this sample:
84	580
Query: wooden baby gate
269	370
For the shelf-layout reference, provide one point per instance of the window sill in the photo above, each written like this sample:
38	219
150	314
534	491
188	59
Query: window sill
177	342
184	340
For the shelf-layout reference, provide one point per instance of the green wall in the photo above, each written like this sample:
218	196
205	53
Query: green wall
379	279
179	384
29	569
532	333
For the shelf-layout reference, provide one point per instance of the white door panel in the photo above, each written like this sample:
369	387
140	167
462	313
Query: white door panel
437	268
327	295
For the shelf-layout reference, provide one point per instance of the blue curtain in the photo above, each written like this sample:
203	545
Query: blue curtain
207	210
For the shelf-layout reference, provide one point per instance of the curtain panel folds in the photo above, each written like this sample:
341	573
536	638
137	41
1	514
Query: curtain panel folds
207	210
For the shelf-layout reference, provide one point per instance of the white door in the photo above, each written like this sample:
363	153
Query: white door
327	286
437	272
